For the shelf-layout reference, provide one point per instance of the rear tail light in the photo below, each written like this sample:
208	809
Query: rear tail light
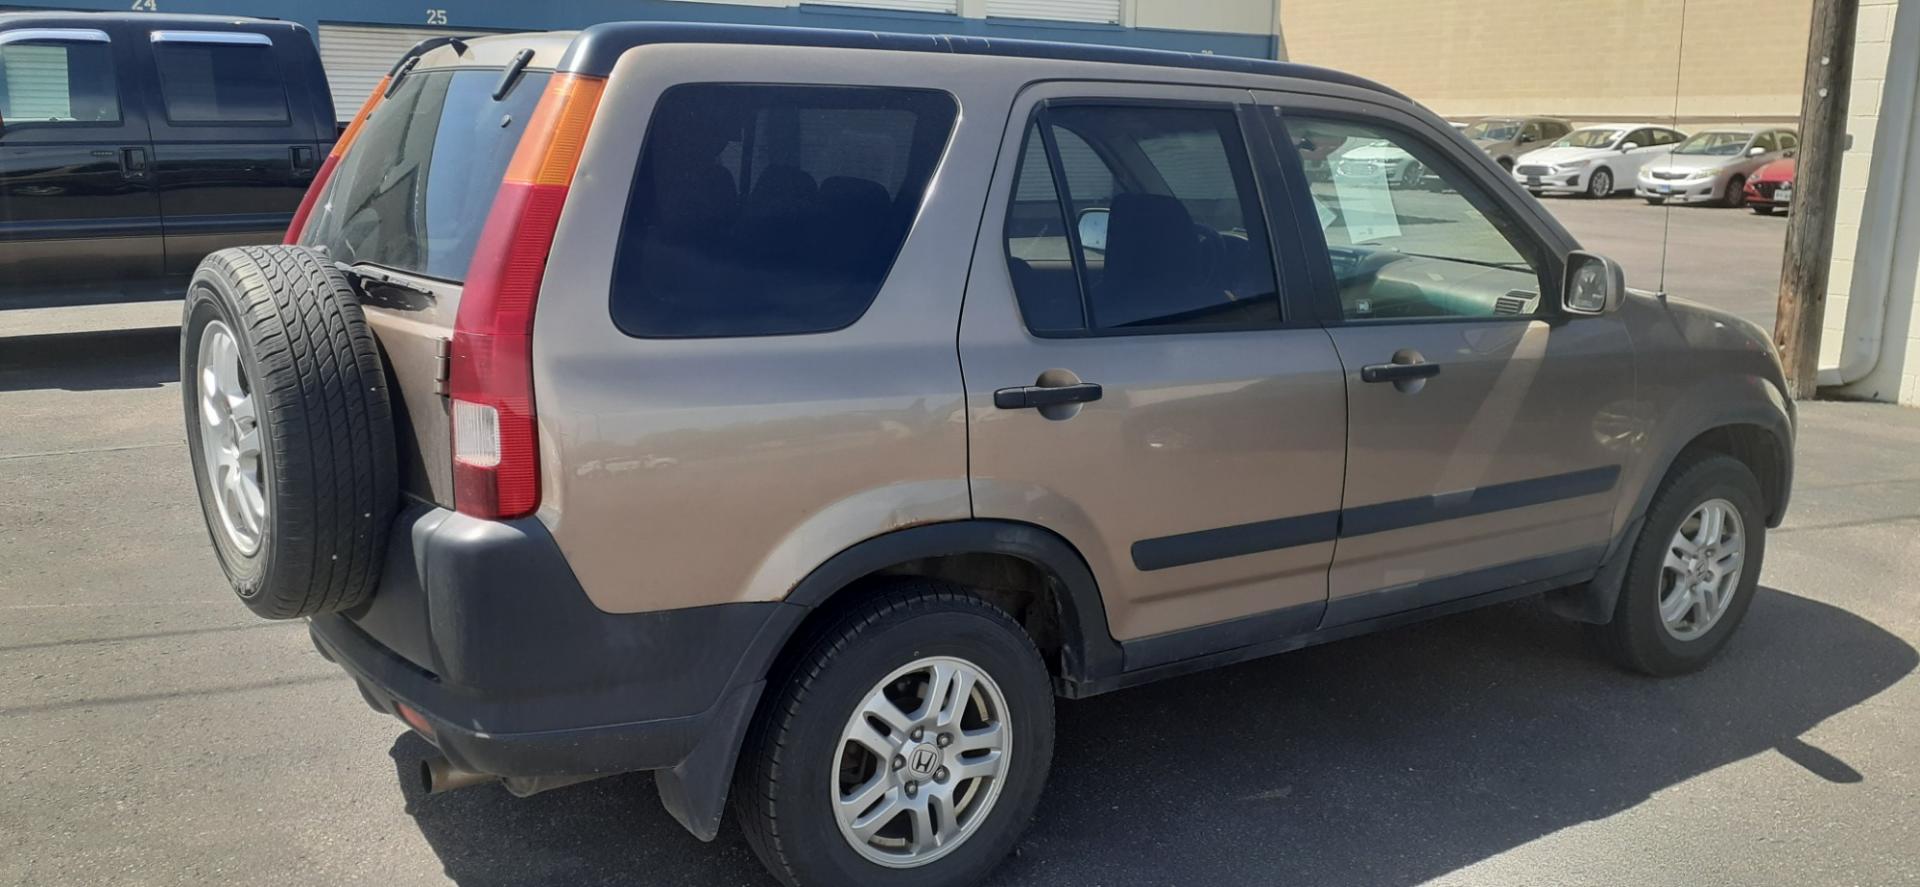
495	447
320	178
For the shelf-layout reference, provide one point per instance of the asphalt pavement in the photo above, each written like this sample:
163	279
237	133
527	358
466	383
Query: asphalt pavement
153	732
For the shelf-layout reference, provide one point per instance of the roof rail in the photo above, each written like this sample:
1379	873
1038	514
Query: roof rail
596	49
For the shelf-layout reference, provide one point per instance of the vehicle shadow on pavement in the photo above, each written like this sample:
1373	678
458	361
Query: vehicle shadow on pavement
91	361
1390	759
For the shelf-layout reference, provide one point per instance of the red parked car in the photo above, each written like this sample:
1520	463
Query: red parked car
1771	187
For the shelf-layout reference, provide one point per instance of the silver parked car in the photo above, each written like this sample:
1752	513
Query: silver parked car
1713	166
732	406
1506	138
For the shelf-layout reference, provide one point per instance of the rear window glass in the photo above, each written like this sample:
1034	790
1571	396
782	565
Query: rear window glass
771	210
220	83
414	191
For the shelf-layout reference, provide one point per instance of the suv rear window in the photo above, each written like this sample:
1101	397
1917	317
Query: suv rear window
772	210
414	191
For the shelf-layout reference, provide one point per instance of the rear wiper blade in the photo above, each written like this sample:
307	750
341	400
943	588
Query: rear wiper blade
367	271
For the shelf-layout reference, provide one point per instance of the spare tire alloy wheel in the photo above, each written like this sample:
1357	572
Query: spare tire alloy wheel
921	762
290	429
230	439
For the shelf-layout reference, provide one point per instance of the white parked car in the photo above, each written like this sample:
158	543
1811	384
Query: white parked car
1713	166
1377	159
1595	160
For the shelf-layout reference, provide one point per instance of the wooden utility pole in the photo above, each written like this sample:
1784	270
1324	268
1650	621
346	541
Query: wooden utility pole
1816	190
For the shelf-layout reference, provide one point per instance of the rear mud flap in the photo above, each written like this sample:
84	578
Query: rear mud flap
695	791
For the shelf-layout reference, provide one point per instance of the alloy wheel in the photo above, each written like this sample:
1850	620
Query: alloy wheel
1701	572
230	439
921	762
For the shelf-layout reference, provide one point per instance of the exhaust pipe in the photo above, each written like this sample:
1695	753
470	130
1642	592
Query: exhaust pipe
439	776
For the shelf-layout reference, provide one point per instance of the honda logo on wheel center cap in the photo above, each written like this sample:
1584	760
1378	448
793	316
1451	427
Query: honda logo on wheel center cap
923	760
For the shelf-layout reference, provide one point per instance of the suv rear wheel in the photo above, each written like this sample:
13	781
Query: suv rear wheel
1693	570
908	745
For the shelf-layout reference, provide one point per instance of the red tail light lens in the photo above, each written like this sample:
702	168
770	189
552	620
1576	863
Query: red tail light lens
325	173
495	445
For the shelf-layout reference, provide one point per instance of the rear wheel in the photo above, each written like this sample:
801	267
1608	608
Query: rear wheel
907	746
1693	569
289	429
1655	201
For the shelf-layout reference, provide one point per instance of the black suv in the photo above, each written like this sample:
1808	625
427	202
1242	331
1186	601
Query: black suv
133	145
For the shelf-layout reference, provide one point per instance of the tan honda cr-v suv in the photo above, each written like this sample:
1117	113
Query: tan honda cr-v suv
797	413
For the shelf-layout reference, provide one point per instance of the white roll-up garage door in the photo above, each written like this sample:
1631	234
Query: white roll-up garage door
357	56
35	78
950	7
1103	11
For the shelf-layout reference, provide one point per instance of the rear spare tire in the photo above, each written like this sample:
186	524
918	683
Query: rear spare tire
289	429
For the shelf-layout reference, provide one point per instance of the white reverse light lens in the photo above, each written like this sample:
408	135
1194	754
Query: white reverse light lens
476	434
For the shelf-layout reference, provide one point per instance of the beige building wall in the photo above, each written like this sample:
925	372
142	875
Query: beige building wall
1871	336
1589	60
1223	16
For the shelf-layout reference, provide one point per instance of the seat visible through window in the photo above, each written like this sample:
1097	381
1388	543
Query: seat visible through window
762	210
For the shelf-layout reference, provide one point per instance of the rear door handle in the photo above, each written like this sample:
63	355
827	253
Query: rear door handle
1398	372
133	163
300	157
1034	396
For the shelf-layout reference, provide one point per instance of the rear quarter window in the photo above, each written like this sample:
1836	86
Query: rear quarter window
772	210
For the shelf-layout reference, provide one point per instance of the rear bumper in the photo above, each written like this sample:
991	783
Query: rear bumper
481	628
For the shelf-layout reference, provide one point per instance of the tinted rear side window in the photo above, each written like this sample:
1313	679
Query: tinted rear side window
772	210
414	191
220	83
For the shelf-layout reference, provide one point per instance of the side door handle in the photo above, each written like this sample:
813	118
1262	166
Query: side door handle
300	158
133	163
1398	372
1035	396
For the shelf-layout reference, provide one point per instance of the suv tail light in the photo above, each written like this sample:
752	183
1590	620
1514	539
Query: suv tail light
325	173
495	448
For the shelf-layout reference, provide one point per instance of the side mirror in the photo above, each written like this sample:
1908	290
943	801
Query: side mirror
1629	146
1594	286
1790	152
1093	228
1756	151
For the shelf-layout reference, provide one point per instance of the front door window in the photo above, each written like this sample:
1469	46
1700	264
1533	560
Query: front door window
1430	248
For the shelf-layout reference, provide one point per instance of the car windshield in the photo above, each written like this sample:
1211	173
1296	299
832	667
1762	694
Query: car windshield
1589	138
1717	144
1495	130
